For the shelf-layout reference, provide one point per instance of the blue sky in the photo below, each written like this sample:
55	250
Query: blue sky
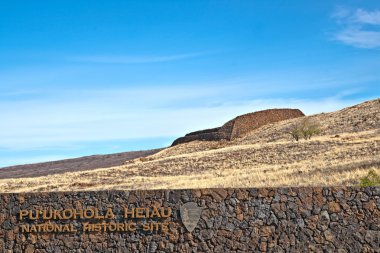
90	77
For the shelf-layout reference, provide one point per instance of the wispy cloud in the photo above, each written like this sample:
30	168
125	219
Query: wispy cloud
359	38
367	17
359	28
110	59
107	115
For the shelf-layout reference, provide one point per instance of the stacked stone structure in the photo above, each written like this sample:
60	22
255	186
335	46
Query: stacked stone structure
241	125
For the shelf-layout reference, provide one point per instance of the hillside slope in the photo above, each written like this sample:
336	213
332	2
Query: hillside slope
347	147
71	165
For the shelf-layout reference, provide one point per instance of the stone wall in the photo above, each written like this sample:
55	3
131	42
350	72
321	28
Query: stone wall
232	220
241	125
251	121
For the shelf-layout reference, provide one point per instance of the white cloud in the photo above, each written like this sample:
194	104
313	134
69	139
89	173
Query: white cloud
134	59
359	28
367	17
340	12
359	38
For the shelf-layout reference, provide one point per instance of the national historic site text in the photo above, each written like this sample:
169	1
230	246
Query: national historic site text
147	219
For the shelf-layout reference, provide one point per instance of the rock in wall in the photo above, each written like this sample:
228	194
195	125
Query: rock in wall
241	125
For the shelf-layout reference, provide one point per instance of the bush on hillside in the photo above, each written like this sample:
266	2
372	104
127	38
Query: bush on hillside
295	131
372	179
304	129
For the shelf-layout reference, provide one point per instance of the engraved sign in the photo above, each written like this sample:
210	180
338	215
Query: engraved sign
190	215
150	218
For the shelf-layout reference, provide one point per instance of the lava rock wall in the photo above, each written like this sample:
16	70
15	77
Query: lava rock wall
232	220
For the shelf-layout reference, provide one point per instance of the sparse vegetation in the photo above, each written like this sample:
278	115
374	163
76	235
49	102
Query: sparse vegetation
310	128
295	131
304	129
372	179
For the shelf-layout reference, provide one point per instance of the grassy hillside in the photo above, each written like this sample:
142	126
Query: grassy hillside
345	150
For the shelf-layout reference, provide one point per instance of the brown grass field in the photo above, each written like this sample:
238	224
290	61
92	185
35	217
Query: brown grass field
345	150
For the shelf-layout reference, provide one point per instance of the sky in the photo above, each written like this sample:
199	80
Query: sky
95	77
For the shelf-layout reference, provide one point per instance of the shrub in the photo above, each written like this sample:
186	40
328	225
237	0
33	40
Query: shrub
305	129
372	179
295	131
310	128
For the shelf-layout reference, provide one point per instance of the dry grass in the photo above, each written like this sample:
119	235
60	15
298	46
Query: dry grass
265	157
320	161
